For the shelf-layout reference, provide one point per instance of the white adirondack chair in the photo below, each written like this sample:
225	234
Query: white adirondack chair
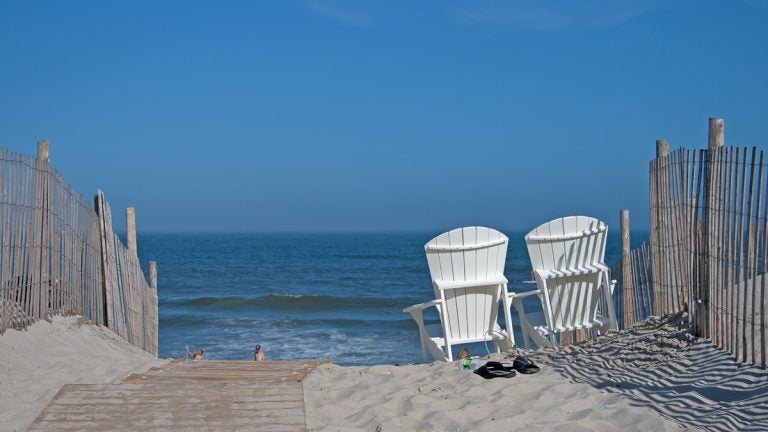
567	257
467	270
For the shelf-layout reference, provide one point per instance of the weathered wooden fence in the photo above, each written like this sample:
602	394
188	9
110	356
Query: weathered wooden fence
633	293
59	256
708	246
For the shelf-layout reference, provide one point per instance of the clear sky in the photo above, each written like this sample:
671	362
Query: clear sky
375	115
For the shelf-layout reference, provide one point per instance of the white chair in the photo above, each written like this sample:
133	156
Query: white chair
467	270
573	282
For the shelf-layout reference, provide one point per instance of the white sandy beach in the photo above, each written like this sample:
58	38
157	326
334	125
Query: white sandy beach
438	397
654	377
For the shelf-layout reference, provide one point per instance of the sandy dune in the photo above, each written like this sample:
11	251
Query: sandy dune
35	363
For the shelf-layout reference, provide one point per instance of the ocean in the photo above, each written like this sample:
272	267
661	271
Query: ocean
338	296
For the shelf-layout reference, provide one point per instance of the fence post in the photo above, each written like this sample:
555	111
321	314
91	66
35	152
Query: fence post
153	275
155	317
40	268
715	143
130	230
626	270
662	148
716	136
657	252
109	279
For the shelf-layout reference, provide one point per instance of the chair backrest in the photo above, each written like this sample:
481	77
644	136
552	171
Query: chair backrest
567	243
466	266
567	254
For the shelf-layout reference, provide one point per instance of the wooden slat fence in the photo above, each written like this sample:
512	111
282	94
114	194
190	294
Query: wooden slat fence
633	302
58	256
708	251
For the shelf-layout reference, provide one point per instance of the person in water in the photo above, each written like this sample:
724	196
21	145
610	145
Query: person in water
258	353
197	355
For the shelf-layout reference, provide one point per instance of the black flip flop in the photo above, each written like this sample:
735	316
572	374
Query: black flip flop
493	369
525	366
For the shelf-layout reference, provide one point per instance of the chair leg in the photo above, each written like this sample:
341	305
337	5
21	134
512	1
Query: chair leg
508	316
608	287
524	325
449	351
417	316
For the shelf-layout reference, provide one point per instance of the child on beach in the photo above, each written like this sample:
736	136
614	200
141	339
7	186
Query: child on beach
463	353
197	355
258	353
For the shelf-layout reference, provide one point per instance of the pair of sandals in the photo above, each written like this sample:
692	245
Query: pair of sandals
493	369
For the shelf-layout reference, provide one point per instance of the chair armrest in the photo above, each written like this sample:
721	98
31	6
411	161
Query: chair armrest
447	285
523	295
422	306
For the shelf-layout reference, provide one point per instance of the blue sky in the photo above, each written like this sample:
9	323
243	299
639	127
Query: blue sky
375	115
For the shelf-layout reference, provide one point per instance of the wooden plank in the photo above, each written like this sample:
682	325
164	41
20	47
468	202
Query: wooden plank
764	278
690	218
671	252
35	246
633	273
722	297
680	226
105	228
7	292
675	230
715	286
637	272
740	265
626	269
9	289
681	229
189	390
752	250
733	274
718	316
668	287
648	281
748	276
653	219
15	187
755	234
130	230
243	364
698	258
75	295
734	268
655	186
53	261
23	222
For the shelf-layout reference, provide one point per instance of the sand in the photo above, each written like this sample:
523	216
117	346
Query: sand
438	397
652	377
655	377
35	363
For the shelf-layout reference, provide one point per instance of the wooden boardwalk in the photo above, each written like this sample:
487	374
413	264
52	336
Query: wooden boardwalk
187	396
